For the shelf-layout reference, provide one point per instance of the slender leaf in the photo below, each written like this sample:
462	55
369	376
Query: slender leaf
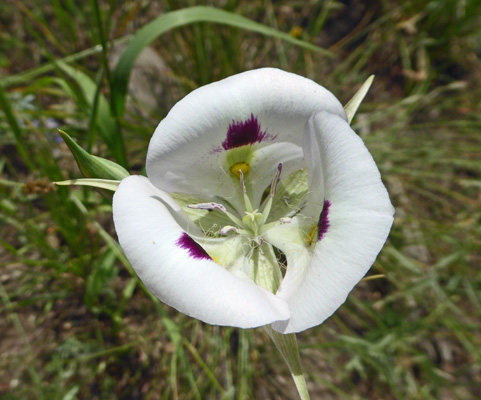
99	183
30	74
15	127
353	104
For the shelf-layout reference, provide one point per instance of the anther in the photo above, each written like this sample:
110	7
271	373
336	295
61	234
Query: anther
272	193
275	180
208	206
228	228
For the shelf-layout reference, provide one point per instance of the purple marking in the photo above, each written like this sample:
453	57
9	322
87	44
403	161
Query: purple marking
241	133
323	224
194	249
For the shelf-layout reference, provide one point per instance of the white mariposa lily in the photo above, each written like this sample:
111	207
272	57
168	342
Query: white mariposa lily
261	206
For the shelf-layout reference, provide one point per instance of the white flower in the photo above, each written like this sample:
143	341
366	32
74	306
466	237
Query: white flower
261	205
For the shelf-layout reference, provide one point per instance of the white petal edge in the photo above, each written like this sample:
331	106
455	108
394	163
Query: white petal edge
360	218
183	143
147	224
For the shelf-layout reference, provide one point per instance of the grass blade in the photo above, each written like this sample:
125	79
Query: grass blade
29	75
107	125
175	19
15	127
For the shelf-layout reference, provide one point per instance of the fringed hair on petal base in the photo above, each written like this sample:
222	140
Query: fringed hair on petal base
194	249
242	133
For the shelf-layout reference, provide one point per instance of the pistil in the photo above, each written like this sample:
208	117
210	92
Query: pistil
253	220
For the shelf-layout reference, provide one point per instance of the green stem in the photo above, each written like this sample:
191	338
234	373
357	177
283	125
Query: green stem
267	274
287	345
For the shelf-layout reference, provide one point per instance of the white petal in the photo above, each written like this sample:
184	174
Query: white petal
150	226
356	226
184	153
315	171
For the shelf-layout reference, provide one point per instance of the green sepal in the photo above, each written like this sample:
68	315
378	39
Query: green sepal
98	183
353	104
92	166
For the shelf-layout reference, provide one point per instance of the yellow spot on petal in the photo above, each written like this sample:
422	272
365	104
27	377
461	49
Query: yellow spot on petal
216	260
242	166
312	235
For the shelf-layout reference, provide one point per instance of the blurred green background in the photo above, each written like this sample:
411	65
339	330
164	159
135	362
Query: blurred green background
75	322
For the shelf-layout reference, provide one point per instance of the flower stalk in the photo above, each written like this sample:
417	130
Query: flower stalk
287	346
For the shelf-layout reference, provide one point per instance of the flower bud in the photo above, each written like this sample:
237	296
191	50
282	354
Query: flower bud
92	166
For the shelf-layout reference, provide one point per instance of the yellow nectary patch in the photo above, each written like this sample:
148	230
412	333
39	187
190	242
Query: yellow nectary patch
242	166
312	235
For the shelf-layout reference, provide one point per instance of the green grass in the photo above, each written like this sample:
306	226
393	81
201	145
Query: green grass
76	322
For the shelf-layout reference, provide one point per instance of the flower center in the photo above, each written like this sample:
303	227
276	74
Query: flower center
253	223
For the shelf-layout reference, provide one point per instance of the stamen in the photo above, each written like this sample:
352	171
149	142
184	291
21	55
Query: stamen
247	201
208	206
228	228
216	206
272	193
275	180
243	186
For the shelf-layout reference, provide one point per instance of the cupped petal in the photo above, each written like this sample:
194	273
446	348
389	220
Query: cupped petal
315	171
257	107
155	235
354	223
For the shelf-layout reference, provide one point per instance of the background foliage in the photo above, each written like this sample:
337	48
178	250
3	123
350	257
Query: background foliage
75	321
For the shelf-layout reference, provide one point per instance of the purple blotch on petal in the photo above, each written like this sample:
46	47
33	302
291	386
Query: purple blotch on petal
323	224
194	249
241	133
